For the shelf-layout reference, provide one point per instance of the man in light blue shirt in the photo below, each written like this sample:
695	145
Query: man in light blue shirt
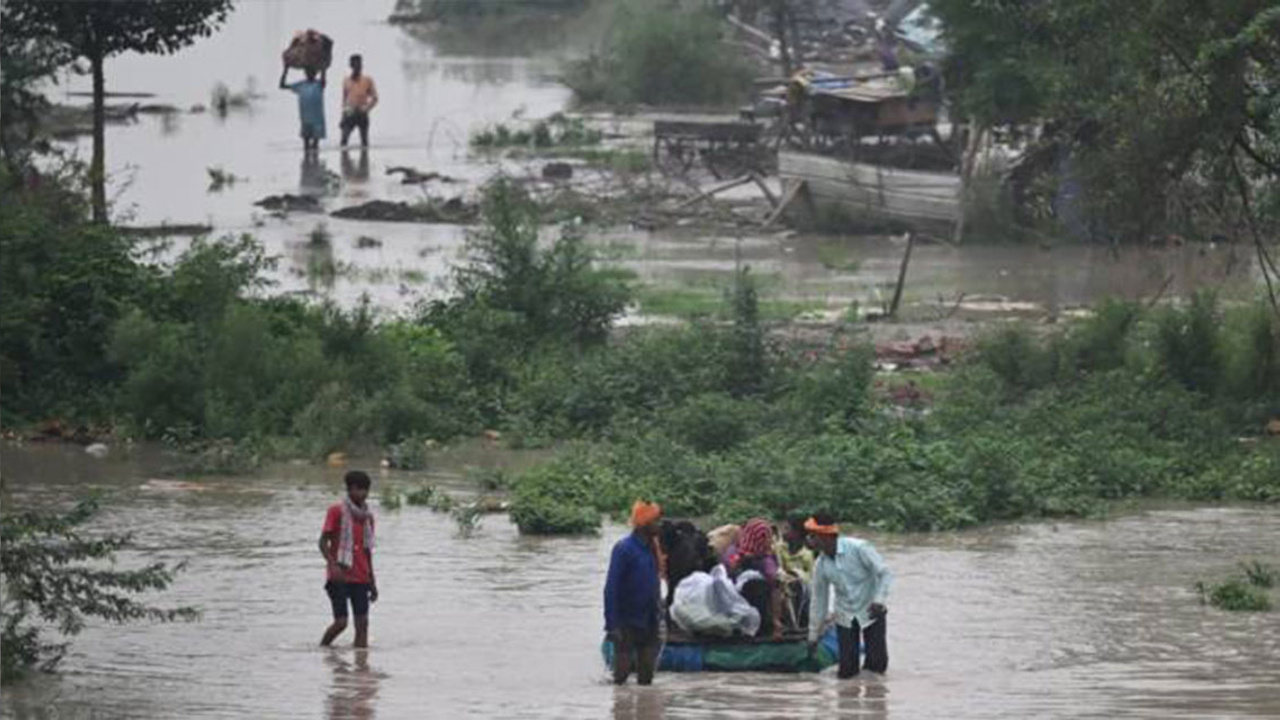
857	574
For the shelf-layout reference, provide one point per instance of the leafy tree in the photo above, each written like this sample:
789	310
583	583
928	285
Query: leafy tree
64	282
69	30
1167	112
54	574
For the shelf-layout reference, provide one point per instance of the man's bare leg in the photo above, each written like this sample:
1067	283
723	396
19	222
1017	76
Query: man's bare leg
333	631
362	631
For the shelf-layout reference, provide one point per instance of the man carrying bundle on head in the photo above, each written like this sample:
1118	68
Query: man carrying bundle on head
346	541
857	574
632	597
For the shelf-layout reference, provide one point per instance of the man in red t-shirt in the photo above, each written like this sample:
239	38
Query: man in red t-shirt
346	541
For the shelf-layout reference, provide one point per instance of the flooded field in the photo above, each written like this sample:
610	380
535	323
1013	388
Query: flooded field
437	87
1080	619
1074	619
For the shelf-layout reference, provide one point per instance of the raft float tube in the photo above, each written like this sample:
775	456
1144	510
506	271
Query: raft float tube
688	653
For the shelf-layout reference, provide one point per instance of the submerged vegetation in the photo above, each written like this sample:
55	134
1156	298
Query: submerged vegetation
1245	593
557	131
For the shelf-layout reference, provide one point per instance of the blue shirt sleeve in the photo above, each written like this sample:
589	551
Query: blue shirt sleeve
612	585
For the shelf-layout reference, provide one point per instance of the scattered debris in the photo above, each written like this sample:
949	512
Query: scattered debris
453	211
412	176
557	171
922	352
290	203
219	179
60	431
156	109
166	230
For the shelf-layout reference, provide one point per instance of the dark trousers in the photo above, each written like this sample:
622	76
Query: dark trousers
877	647
635	649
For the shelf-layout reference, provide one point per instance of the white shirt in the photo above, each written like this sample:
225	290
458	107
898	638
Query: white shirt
859	577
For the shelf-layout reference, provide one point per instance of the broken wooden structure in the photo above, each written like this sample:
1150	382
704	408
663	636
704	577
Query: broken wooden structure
726	148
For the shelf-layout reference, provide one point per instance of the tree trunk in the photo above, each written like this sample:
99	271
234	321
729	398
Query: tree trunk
97	168
781	24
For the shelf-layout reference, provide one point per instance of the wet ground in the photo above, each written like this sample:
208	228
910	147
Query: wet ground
437	87
1080	619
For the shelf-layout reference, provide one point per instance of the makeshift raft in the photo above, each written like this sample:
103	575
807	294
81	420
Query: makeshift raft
686	653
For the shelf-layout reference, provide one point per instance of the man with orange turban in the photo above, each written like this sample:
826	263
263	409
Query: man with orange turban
857	574
632	597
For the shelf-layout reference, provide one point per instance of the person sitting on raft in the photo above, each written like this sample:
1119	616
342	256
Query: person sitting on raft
796	559
753	550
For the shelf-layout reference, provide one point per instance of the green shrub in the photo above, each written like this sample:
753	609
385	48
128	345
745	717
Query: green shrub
1100	342
389	498
661	54
1259	574
424	495
1236	595
713	422
829	389
1187	343
1017	357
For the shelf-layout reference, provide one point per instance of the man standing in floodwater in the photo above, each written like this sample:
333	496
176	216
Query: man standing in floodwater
359	95
346	541
858	575
632	596
310	94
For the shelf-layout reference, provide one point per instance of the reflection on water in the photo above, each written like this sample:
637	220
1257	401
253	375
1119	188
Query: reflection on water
356	172
1065	620
313	176
639	703
354	690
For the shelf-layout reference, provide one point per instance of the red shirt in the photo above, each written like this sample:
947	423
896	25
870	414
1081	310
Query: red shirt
359	572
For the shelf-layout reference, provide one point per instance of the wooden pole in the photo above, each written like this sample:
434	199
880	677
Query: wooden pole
717	189
902	274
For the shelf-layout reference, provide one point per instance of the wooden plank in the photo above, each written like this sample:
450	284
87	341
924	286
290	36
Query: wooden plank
764	188
717	189
792	191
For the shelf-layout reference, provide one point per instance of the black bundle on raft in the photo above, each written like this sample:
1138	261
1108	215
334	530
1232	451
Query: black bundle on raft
687	552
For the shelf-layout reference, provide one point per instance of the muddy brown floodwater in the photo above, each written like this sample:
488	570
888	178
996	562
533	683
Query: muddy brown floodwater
1079	619
1090	619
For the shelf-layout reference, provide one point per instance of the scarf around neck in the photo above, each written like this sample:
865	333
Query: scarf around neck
352	514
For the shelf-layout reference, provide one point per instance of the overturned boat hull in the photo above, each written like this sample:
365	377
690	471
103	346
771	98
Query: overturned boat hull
919	199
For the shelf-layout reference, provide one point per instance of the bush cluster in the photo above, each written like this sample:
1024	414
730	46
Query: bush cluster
1130	403
661	54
